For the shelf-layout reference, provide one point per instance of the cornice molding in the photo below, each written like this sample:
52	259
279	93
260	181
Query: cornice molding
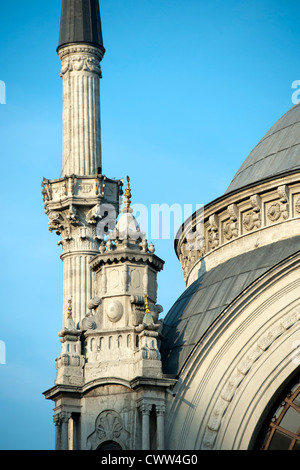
234	217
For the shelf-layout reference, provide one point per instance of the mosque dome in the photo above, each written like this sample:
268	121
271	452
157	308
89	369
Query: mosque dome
206	298
277	153
248	231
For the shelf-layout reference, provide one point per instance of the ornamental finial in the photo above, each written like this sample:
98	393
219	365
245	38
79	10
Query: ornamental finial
127	207
70	309
147	304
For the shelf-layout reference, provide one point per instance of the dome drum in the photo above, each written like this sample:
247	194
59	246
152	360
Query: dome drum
239	223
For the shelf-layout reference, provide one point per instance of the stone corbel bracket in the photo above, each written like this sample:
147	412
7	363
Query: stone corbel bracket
283	193
213	231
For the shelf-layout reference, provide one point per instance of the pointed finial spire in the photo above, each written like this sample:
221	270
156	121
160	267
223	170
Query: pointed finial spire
70	309
147	304
127	207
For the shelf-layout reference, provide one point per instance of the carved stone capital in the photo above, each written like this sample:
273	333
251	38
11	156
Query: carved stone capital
65	416
146	408
57	419
160	410
81	61
56	221
85	58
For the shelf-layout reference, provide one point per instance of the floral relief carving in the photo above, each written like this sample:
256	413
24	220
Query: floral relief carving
297	205
83	62
252	218
274	212
56	221
227	230
192	248
248	221
233	221
85	187
189	256
108	427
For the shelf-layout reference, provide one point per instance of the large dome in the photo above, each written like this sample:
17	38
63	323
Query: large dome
277	153
205	300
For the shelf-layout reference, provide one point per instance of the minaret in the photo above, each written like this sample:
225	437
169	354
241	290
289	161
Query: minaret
77	204
109	391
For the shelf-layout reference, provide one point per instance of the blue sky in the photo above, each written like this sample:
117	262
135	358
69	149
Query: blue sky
189	87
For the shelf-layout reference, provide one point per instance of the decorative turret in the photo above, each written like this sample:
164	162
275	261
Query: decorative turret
124	332
70	363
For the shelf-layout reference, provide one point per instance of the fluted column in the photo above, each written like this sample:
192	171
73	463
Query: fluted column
57	422
78	284
146	409
65	430
81	109
160	425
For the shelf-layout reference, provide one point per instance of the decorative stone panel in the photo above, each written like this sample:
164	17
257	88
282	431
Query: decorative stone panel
240	215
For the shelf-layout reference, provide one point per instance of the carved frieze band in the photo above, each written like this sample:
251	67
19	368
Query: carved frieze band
237	220
81	59
78	63
55	191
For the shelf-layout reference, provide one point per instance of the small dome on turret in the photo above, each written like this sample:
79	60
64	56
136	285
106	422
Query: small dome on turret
127	226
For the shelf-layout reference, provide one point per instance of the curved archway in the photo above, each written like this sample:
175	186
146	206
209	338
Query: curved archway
109	445
234	371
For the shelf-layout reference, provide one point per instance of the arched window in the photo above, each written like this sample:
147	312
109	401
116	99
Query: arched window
282	431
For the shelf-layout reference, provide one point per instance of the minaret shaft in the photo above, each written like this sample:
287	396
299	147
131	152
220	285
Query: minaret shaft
81	109
78	284
73	202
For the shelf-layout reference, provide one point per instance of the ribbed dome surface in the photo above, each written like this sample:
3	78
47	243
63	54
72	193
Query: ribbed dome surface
204	301
277	153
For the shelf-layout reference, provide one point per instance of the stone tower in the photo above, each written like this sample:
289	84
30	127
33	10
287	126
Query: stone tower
109	391
76	203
